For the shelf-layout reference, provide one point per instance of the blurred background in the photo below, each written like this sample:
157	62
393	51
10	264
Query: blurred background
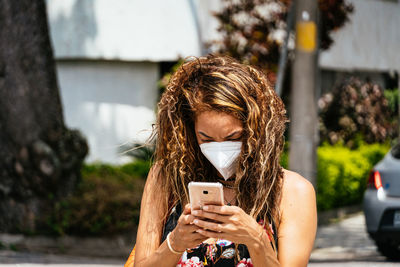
79	85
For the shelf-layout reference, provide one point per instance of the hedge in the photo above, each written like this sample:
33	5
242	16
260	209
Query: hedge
342	173
106	202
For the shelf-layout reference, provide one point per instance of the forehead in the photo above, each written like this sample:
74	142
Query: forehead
216	123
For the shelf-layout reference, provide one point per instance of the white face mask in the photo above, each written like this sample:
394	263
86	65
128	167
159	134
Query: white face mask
223	156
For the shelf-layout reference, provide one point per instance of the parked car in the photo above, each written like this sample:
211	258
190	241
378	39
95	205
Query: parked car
382	204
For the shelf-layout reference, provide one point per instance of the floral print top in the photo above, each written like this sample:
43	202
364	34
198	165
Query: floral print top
217	253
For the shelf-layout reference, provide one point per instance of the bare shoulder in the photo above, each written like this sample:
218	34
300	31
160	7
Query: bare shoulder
296	185
153	176
297	193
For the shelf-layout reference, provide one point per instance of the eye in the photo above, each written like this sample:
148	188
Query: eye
206	140
235	139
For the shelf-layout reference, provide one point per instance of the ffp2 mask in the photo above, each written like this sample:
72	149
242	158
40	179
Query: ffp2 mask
223	156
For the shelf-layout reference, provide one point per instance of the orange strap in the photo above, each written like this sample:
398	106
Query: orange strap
131	259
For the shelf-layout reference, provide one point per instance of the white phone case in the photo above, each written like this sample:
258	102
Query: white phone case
201	193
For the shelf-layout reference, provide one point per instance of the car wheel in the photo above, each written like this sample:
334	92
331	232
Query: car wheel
389	250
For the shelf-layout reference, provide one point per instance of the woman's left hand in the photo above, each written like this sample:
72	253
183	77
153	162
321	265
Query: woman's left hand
228	222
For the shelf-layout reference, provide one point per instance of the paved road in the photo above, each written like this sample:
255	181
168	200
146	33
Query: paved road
337	245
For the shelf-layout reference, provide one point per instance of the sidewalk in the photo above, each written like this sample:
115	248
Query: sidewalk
13	258
345	240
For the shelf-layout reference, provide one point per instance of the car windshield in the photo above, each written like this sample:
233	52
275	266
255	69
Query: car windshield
396	151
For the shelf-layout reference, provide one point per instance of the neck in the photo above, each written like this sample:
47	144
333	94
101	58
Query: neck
230	183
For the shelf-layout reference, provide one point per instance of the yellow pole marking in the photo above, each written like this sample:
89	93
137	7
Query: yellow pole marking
306	33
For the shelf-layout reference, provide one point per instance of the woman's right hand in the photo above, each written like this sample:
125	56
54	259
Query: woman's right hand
184	235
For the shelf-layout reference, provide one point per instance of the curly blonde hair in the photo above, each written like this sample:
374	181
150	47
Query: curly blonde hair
222	84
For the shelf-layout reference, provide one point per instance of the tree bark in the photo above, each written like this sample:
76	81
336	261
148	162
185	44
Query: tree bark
40	158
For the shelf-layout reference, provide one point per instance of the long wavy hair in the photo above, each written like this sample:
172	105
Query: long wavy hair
222	84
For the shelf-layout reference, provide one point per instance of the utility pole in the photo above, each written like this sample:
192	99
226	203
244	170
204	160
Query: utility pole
398	102
303	119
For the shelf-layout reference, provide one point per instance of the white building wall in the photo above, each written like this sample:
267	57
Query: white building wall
111	103
369	41
131	30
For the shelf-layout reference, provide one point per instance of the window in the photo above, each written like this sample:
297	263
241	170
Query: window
396	151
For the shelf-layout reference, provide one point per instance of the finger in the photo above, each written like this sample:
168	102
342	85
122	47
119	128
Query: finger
209	215
190	228
197	236
212	234
196	207
217	227
187	219
186	210
223	210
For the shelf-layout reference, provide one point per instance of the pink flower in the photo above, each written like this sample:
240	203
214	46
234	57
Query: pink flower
245	263
192	262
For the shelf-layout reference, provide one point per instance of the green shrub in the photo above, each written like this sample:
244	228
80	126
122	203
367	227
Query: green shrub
106	202
285	159
342	173
393	98
138	168
285	156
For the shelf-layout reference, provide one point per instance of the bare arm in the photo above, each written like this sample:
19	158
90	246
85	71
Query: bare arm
149	251
298	225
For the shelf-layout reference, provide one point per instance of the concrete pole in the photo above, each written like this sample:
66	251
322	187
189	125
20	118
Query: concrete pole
303	119
398	102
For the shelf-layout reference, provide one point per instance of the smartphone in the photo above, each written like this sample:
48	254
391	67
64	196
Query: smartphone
202	193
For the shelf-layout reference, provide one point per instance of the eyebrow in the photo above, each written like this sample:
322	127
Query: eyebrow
228	136
204	134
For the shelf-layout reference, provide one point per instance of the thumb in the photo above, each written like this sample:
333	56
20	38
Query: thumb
187	209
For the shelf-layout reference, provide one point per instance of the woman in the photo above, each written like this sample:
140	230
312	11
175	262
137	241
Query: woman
216	107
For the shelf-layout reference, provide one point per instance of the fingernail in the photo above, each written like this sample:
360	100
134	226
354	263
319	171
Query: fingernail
195	212
205	208
195	221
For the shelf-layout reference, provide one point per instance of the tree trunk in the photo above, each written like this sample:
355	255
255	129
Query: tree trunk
40	158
